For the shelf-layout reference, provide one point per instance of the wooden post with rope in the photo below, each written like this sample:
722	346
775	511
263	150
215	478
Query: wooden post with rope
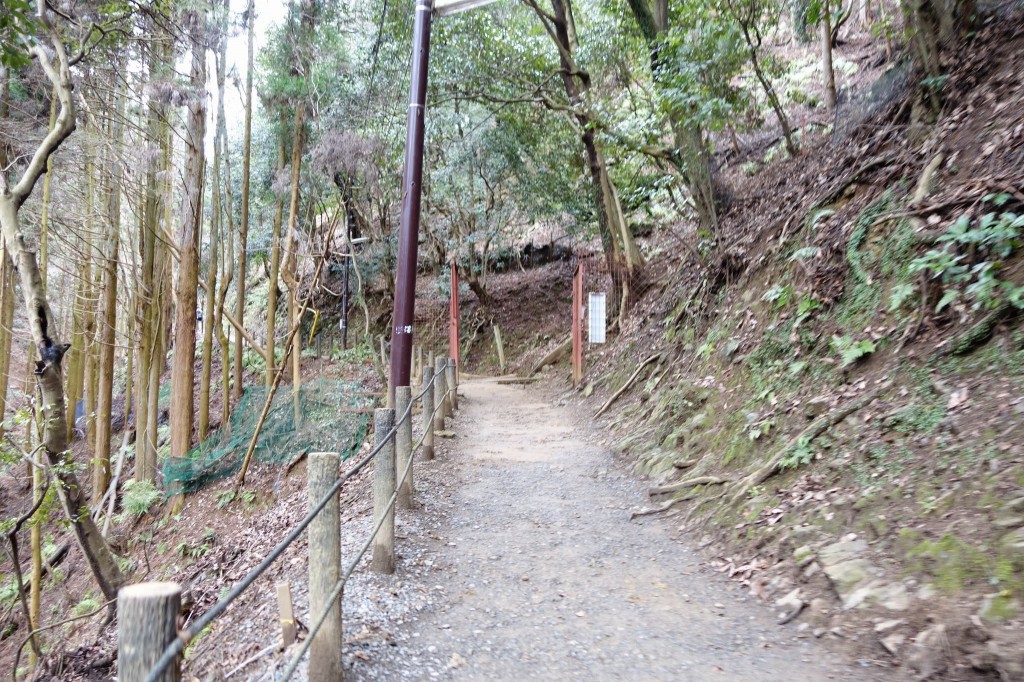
428	414
453	395
383	489
403	445
440	403
325	663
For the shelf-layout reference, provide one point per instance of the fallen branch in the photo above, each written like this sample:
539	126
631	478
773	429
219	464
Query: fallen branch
925	182
252	659
822	424
629	383
688	483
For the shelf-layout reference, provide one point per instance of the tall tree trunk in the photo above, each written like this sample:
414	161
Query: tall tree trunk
615	232
936	28
243	231
290	270
108	326
183	367
6	322
209	309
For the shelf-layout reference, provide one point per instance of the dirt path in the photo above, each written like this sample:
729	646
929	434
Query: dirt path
525	530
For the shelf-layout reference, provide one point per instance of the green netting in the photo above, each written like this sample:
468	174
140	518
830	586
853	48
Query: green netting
329	420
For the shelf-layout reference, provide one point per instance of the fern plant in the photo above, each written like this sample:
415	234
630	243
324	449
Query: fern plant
139	496
851	350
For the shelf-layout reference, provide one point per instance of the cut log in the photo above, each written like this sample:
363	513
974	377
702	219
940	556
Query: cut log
554	356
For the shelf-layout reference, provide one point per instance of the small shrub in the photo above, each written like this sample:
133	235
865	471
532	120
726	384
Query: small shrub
968	264
139	496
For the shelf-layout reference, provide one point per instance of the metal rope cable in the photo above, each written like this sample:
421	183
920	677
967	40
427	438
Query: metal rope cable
178	645
340	585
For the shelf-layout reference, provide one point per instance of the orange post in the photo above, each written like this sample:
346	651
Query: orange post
453	317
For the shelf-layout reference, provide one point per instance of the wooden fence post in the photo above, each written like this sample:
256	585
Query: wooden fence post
428	414
147	622
403	445
439	394
453	387
383	489
324	569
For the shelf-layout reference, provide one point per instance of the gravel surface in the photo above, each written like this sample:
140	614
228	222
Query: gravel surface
520	562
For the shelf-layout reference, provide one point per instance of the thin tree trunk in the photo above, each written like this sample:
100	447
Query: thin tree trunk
108	328
183	368
243	231
693	157
616	236
6	334
275	261
290	271
826	56
209	308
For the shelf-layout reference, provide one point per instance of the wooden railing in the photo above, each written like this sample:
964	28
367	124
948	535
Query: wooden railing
149	643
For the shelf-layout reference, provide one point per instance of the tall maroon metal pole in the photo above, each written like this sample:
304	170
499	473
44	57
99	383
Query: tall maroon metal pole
408	239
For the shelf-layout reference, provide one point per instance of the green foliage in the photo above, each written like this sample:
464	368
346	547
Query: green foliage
701	56
226	497
851	350
917	418
900	294
17	28
138	497
800	454
968	264
87	604
197	549
780	295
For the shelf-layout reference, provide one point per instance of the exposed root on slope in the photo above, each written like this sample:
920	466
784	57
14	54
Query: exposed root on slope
740	489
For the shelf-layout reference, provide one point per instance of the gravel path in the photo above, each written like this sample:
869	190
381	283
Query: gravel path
523	540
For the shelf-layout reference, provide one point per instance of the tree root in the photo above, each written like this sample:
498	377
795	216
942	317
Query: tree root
693	510
662	508
738	491
629	383
967	341
688	483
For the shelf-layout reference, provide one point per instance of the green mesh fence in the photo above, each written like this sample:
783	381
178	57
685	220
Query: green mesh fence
329	420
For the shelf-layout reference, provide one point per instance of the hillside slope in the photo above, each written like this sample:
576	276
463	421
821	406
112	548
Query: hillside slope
837	400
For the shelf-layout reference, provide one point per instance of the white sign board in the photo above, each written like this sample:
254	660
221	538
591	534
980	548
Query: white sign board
596	318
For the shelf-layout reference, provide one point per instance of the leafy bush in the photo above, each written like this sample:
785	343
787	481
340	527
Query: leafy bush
968	264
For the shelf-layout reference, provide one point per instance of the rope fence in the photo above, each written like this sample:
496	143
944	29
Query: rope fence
149	644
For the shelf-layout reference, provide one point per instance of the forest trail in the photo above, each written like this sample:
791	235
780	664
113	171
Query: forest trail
527	529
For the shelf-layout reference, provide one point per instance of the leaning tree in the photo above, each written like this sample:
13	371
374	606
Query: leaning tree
43	43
